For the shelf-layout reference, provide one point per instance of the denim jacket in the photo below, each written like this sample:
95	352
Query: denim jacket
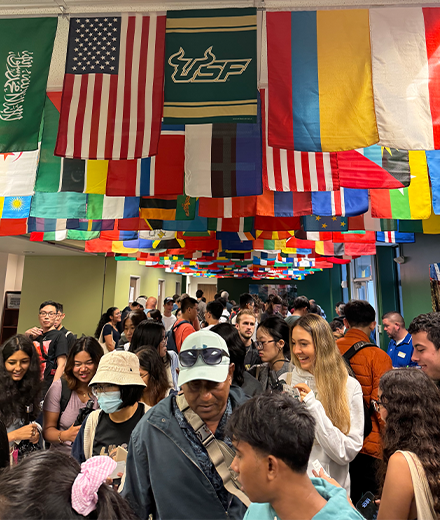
163	477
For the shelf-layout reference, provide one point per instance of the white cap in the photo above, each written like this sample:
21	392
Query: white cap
201	340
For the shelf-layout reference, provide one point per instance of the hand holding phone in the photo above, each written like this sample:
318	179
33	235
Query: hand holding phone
367	506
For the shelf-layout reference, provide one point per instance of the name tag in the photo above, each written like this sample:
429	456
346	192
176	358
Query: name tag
401	354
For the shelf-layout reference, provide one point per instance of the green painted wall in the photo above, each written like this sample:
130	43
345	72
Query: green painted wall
416	291
149	278
76	281
86	286
324	287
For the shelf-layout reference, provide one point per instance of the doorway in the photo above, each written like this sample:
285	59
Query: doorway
363	276
134	288
160	293
209	290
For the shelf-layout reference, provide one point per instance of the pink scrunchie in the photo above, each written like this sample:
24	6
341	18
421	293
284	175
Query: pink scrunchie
94	472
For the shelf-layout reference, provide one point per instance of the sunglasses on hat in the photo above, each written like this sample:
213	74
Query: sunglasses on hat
210	356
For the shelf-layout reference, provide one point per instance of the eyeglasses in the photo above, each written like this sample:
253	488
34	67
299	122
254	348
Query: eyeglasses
210	356
377	405
50	314
102	389
261	344
164	339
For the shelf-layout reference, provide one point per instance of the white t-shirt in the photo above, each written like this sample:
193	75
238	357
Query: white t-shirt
168	321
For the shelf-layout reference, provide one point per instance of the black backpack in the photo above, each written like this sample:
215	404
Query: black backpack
354	349
171	338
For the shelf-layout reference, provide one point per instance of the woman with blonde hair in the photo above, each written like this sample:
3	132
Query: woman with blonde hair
329	393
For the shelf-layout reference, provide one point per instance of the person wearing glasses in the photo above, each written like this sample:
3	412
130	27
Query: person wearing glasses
273	348
118	387
152	334
154	375
169	472
51	344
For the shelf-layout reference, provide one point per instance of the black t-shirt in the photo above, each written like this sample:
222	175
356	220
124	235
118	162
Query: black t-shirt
70	336
51	345
109	435
108	329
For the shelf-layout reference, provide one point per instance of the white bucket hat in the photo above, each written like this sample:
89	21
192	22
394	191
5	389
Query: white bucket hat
201	340
118	368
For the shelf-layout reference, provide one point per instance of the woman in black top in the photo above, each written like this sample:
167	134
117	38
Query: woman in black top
107	332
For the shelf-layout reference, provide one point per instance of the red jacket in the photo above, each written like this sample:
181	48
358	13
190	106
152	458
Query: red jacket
369	365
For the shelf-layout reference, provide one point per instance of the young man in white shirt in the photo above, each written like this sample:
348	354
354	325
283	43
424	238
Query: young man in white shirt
167	317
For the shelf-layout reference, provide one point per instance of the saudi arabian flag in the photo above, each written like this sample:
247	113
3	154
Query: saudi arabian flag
25	51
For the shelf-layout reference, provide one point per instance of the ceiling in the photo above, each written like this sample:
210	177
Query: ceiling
21	245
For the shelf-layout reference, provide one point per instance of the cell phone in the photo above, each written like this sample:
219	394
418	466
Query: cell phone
317	466
367	506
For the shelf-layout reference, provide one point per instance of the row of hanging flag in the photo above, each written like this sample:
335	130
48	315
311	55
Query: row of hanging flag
337	79
217	143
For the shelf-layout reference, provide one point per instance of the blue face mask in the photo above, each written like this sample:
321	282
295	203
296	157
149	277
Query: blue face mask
109	402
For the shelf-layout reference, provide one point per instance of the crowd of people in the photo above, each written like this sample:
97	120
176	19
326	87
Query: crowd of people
212	409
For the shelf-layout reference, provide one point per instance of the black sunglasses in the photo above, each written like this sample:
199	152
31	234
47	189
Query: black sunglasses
210	356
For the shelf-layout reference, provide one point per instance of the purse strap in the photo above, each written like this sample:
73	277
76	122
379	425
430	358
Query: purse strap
422	491
219	452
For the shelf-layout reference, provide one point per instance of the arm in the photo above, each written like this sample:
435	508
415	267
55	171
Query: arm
109	343
52	434
137	487
25	433
339	447
61	363
34	332
398	491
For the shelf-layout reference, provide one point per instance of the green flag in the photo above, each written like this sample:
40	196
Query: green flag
211	66
25	51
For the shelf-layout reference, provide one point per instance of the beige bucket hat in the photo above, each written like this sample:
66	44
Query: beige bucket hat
118	368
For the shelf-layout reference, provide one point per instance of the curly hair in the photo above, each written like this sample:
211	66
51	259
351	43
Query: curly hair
412	402
330	370
429	323
16	395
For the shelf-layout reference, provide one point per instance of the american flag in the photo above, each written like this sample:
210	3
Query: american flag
288	170
113	87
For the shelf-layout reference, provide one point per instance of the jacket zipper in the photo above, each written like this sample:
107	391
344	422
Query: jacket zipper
196	465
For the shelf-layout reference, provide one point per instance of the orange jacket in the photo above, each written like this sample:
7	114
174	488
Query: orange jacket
369	365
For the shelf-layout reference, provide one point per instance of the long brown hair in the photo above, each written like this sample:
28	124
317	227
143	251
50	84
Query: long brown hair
412	402
330	370
158	383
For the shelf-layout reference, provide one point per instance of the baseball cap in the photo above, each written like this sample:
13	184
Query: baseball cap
201	340
168	299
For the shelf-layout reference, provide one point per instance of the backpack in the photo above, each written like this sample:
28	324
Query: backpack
171	338
354	349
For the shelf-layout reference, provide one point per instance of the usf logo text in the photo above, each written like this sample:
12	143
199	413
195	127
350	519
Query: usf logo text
207	69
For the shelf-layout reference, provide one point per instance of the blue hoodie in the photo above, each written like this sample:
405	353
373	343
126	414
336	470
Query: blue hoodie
337	505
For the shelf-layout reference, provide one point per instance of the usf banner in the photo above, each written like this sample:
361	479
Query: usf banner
25	52
211	66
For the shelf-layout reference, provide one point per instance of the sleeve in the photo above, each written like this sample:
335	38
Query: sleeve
107	330
78	445
137	487
52	400
61	347
339	447
187	330
381	364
